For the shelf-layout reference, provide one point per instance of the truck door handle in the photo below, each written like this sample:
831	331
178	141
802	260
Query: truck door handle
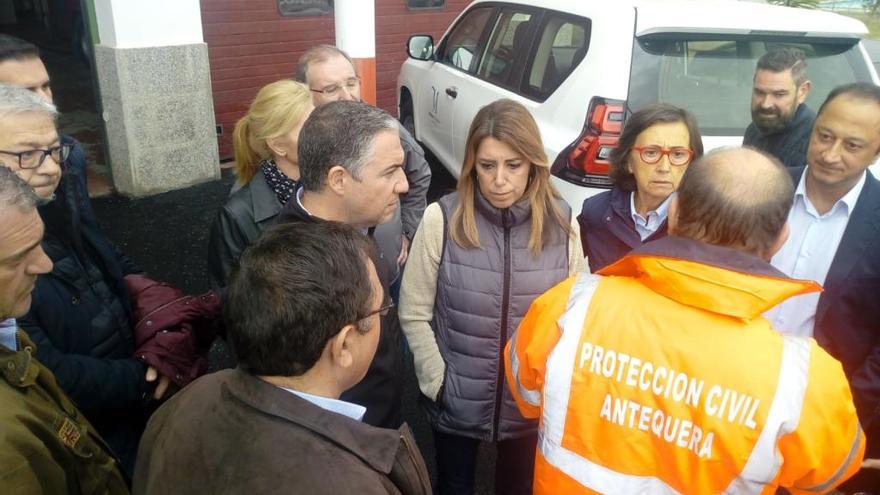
452	91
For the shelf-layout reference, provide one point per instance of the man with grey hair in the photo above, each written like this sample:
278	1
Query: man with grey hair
331	76
46	444
351	171
21	66
29	143
81	319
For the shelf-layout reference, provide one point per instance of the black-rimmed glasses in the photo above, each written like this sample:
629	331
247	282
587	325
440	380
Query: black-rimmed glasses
350	84
34	158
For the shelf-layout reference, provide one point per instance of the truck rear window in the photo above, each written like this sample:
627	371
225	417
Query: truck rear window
712	76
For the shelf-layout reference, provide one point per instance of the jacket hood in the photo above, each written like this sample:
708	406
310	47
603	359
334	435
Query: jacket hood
713	278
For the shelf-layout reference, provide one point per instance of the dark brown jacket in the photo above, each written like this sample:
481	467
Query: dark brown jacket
230	432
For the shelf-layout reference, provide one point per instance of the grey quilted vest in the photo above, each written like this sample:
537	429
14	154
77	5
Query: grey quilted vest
482	294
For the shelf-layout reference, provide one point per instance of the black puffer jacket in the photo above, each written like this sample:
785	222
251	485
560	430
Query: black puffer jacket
80	320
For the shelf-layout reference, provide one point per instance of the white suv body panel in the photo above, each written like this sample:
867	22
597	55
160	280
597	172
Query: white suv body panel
441	122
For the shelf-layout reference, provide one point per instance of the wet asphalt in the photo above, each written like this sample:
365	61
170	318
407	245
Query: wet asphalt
167	236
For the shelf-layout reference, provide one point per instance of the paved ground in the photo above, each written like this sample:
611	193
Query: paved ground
167	236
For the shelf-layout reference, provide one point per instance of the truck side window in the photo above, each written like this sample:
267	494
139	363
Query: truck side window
461	45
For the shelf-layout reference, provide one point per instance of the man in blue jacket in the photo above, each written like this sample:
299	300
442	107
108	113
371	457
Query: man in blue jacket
81	317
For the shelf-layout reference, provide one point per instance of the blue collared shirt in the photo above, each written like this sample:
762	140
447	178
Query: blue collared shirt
647	225
808	253
8	327
346	409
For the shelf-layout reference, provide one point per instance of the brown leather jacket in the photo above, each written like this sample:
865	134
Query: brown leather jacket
230	432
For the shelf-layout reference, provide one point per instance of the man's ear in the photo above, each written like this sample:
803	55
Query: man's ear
804	90
340	347
337	179
672	216
778	243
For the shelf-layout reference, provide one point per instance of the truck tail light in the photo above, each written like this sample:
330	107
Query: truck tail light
585	161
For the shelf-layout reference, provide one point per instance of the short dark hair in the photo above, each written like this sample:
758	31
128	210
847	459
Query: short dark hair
655	113
861	90
785	58
295	288
12	48
722	201
317	53
339	133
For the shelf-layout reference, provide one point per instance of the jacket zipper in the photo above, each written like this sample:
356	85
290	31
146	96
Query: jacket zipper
502	337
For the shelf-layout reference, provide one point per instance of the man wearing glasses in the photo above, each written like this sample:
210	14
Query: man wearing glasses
80	318
30	146
330	74
20	65
280	422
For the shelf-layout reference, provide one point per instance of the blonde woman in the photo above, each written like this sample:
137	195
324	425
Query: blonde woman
478	259
266	166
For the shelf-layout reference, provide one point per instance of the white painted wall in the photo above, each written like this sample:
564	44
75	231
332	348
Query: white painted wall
355	22
148	23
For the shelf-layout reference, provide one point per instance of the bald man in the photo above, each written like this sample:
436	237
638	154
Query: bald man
692	374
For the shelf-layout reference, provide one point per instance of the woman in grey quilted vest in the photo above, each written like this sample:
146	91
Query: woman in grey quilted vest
478	259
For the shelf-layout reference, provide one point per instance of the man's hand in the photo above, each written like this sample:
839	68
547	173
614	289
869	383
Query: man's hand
871	464
162	386
404	250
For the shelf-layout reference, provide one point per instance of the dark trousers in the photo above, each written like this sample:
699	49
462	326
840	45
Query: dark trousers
457	464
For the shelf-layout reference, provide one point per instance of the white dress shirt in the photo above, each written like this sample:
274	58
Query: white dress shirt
347	409
649	224
808	253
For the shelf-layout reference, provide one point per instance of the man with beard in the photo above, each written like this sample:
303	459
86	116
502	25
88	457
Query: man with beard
781	122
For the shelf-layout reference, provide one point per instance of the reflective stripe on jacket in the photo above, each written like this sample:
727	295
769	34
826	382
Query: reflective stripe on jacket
660	376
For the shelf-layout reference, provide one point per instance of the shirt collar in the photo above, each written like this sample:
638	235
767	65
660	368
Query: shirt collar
299	195
299	200
848	200
8	327
660	212
346	409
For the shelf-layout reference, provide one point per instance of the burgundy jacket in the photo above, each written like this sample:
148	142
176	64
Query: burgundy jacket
173	331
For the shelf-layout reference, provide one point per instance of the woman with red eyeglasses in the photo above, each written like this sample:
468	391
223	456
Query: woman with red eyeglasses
656	147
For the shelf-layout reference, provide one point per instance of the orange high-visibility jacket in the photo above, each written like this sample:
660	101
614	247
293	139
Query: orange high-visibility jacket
661	376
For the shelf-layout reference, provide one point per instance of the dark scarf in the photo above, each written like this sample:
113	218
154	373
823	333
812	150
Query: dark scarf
283	185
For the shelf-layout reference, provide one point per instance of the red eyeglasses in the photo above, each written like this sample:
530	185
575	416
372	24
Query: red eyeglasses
678	155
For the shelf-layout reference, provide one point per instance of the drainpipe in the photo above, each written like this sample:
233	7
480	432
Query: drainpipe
356	35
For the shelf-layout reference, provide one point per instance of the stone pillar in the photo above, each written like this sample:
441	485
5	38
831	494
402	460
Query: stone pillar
355	22
155	90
